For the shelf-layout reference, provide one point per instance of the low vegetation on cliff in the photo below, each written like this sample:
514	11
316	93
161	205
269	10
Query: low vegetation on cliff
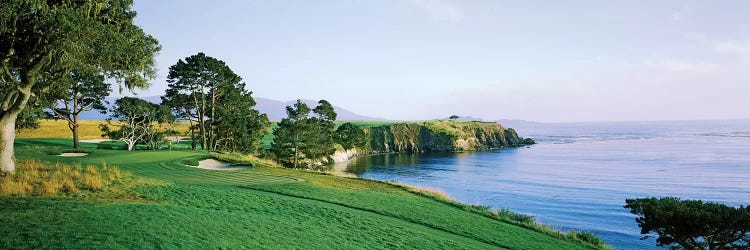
431	136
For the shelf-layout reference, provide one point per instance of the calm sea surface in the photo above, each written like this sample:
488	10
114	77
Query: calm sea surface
579	175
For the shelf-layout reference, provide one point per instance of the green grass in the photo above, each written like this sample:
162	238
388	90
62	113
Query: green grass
260	207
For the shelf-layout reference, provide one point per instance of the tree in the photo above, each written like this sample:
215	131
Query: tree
137	119
239	127
300	139
29	117
42	42
183	108
350	136
292	135
85	92
196	84
323	126
454	117
692	224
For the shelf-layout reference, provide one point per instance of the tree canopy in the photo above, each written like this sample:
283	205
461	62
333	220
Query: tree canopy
302	140
350	136
692	224
206	92
86	91
42	42
138	118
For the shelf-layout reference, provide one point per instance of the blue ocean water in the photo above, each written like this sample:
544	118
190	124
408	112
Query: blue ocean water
579	174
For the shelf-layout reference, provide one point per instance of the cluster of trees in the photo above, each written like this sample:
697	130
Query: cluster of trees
139	122
46	46
307	137
205	92
692	224
65	56
306	134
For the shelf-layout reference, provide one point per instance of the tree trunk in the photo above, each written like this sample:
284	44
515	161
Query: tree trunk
7	137
203	133
211	135
76	144
74	127
130	146
296	149
8	127
192	137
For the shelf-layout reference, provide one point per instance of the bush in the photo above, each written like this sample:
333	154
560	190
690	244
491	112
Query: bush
692	224
518	217
69	186
50	187
12	187
589	237
92	181
37	178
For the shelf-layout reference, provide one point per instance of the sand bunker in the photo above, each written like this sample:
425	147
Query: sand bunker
73	154
213	164
176	138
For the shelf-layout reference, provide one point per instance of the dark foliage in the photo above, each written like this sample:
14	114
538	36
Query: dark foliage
350	136
303	140
692	224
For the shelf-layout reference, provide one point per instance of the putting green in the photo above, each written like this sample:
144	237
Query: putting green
159	165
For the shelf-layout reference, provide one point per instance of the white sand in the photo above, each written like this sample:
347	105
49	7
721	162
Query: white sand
213	164
95	140
176	138
73	154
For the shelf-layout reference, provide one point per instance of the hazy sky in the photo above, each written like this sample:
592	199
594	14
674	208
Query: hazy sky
420	59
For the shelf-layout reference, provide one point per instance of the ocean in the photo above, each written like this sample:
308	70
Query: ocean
578	175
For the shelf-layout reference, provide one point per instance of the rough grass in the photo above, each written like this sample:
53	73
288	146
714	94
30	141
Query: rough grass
37	178
254	208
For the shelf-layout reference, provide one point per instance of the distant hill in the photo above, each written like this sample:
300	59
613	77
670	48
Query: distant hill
275	109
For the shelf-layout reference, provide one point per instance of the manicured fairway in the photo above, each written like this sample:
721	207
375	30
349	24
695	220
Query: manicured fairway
261	207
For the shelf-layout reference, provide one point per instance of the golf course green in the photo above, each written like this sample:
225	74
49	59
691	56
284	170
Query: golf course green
262	206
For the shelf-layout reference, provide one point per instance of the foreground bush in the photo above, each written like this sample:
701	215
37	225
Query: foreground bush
43	179
692	224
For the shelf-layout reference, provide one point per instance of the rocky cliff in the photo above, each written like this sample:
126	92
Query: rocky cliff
440	136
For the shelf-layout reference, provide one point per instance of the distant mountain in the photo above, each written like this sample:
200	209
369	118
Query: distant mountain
275	109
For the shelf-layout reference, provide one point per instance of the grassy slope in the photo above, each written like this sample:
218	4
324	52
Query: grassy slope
260	207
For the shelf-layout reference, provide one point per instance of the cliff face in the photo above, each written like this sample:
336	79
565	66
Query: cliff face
440	136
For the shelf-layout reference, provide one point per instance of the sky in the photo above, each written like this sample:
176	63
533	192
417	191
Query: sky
549	61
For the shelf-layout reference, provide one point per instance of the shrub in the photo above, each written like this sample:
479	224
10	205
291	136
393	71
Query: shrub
69	186
518	217
590	238
91	169
113	173
37	178
692	224
94	182
11	187
50	187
